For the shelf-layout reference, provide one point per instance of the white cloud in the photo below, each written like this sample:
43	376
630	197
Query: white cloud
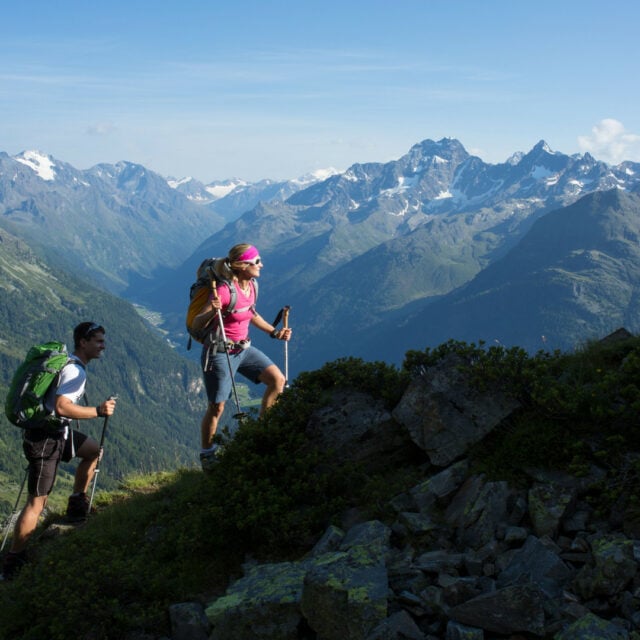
610	142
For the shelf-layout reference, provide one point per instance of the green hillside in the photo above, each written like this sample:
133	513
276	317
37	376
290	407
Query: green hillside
156	425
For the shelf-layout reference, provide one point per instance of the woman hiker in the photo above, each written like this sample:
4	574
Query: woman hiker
239	269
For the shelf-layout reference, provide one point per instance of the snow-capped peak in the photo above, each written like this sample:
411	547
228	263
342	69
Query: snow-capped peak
174	184
544	147
38	162
224	187
316	176
515	158
548	149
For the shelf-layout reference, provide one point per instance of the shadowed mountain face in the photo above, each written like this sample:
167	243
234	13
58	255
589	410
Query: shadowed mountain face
574	276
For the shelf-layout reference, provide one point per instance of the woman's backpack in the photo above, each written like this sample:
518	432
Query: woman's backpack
201	289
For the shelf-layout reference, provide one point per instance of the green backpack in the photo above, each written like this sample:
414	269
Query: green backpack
24	406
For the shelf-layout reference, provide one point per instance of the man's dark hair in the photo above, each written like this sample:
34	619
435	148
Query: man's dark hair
85	330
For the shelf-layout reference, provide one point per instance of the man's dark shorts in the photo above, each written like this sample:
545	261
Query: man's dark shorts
44	451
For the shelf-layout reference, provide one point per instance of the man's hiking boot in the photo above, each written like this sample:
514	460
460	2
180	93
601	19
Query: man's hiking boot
208	458
13	562
78	507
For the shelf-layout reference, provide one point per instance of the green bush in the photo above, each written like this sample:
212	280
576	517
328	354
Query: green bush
576	409
380	379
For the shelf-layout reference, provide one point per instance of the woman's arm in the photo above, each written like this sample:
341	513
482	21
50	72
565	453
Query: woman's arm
207	313
280	334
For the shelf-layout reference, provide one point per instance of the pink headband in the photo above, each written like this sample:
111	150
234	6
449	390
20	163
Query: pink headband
249	254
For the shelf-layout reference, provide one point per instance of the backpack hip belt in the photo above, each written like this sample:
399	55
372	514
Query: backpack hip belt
233	347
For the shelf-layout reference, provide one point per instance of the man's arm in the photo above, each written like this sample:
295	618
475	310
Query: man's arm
65	408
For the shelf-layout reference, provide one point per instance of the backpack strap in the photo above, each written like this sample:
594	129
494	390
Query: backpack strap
73	359
233	298
256	288
254	282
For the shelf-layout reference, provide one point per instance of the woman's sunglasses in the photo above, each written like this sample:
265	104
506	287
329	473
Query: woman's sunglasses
255	261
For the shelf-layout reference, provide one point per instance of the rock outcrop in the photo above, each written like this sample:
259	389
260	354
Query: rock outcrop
466	558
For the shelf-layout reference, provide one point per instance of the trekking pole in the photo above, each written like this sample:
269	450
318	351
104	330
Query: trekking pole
240	415
285	324
283	315
14	514
97	469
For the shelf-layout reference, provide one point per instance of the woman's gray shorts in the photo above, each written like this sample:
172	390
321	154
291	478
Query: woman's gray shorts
249	362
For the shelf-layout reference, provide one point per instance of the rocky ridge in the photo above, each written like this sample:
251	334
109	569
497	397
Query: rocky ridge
466	558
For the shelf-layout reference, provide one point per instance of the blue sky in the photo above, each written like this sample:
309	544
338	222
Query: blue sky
276	89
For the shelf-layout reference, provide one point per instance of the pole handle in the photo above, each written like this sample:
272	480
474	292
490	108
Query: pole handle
214	288
285	317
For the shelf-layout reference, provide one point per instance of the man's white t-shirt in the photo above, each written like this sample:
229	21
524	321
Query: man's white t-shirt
71	384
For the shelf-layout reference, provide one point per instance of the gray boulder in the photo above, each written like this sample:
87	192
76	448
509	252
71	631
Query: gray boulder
509	610
445	414
356	427
539	564
345	596
592	627
612	568
263	605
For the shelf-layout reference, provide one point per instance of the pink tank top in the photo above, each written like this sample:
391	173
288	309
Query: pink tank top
236	324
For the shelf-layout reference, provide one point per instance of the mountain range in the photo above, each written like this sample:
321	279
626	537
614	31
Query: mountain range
358	254
110	221
230	198
373	260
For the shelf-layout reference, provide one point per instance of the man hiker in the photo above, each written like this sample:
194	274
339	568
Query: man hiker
44	449
242	265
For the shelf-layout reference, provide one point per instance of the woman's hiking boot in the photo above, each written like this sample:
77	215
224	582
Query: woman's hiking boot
208	458
78	507
12	563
